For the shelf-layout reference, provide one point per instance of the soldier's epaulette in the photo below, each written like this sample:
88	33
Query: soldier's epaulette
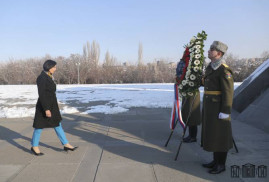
226	66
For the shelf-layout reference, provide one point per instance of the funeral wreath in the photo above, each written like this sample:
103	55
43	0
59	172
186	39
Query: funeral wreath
190	67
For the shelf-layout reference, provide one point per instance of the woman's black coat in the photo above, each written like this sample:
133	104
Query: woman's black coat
46	101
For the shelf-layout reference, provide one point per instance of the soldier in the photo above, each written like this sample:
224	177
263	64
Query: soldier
190	108
217	105
191	113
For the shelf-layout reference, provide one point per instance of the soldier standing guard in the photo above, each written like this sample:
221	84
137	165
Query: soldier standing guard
217	105
191	112
190	107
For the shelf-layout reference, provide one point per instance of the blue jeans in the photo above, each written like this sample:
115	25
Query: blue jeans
59	131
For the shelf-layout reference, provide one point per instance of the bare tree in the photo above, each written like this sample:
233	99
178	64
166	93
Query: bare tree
160	71
95	53
91	55
140	54
111	70
265	55
109	60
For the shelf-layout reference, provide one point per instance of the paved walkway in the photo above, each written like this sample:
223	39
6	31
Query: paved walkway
127	147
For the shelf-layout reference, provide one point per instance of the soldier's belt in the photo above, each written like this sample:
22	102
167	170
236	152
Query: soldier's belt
212	92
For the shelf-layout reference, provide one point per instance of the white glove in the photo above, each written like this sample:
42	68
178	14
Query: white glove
223	115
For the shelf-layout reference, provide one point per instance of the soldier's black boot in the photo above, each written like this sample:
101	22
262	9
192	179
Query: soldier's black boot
189	139
210	164
220	157
217	169
192	135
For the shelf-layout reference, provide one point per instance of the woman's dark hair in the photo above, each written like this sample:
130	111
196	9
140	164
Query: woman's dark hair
48	65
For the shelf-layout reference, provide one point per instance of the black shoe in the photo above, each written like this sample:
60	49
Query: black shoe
37	154
209	165
217	169
189	139
72	149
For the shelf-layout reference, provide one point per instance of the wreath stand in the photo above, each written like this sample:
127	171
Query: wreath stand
184	131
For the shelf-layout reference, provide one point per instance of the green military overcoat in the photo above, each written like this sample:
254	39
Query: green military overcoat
217	133
191	108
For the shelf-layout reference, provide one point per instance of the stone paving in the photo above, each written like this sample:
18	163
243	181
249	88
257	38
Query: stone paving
126	147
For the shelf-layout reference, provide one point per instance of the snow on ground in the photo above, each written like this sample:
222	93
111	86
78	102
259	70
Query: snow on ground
19	100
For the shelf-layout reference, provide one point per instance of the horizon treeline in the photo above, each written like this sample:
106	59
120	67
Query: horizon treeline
87	69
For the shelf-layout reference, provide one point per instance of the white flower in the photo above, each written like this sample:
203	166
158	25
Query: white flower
184	82
197	51
188	72
191	49
190	93
192	77
196	68
198	42
180	86
187	77
191	84
197	46
193	39
184	94
196	62
197	56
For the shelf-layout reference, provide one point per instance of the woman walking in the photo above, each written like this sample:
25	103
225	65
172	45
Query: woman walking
47	113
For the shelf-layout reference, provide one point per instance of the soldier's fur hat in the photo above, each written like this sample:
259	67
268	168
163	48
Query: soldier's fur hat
219	46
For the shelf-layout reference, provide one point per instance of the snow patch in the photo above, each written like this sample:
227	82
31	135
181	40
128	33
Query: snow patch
19	100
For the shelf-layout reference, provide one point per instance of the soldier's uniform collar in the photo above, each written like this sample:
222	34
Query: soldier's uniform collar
216	64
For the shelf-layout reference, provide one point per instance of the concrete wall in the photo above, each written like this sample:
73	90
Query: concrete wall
257	113
248	91
251	99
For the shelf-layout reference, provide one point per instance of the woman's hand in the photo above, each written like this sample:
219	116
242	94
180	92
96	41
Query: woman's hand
48	113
